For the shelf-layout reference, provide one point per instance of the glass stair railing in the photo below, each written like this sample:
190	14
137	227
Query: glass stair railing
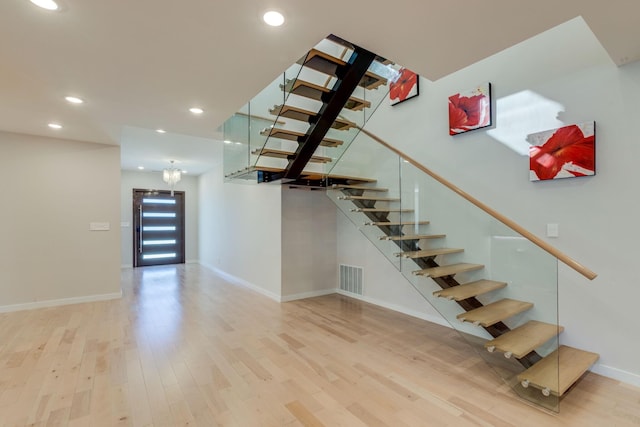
494	285
267	138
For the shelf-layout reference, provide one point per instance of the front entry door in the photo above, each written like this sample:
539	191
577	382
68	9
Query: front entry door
158	227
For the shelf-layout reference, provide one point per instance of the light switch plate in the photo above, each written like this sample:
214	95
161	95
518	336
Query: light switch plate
553	230
99	226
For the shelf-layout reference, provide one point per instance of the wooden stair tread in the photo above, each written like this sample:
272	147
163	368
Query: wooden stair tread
469	290
559	370
448	270
495	312
297	113
314	176
525	338
281	154
381	210
313	91
388	223
414	237
426	253
358	187
373	199
329	64
292	135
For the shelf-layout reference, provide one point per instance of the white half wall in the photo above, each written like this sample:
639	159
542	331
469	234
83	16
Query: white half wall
53	190
153	180
240	231
309	243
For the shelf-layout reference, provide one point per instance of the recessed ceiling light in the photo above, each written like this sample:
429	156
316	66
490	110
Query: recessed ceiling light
141	167
161	131
273	18
46	4
74	100
196	110
226	141
184	171
54	126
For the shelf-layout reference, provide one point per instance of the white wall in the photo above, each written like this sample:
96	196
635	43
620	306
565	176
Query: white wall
561	76
153	180
240	231
53	189
309	243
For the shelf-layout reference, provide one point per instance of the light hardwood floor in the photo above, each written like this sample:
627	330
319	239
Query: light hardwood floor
182	347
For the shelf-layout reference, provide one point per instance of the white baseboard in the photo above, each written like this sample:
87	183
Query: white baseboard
192	261
241	282
616	374
59	302
303	295
400	309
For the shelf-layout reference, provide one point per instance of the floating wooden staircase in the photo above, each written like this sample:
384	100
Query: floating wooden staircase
553	374
343	73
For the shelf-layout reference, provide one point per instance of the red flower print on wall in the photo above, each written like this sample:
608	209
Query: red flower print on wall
470	110
404	87
563	153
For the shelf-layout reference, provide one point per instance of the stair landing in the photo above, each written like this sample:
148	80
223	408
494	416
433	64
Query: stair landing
558	371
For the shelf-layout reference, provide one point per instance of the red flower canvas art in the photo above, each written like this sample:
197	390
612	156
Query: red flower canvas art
404	87
470	110
566	152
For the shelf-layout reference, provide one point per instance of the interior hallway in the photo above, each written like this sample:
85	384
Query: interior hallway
183	347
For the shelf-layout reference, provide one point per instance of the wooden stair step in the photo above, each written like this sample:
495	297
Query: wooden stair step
400	223
313	91
524	339
292	135
369	198
469	290
495	312
281	154
297	113
329	64
559	370
381	210
448	270
427	253
414	237
358	187
313	176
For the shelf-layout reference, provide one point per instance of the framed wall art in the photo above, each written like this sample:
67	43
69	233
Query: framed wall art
566	152
470	110
404	87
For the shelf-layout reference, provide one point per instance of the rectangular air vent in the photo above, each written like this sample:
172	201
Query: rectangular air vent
351	279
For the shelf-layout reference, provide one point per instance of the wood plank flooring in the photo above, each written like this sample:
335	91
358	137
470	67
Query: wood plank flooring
182	347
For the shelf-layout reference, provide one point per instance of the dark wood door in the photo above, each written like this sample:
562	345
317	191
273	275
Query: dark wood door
158	227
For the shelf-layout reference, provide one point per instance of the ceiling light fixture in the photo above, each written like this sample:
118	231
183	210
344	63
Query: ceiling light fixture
54	126
161	131
46	4
273	18
141	167
74	99
196	110
171	176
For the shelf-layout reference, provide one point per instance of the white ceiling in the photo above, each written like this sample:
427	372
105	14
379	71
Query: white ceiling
141	64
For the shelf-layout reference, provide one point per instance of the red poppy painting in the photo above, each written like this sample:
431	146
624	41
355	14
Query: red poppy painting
404	87
566	152
470	110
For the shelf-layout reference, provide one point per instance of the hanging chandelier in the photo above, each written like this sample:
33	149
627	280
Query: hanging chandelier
171	176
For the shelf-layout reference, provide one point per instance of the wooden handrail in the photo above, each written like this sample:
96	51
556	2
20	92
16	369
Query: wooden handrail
503	219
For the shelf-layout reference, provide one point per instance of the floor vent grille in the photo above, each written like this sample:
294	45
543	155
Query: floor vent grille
351	279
